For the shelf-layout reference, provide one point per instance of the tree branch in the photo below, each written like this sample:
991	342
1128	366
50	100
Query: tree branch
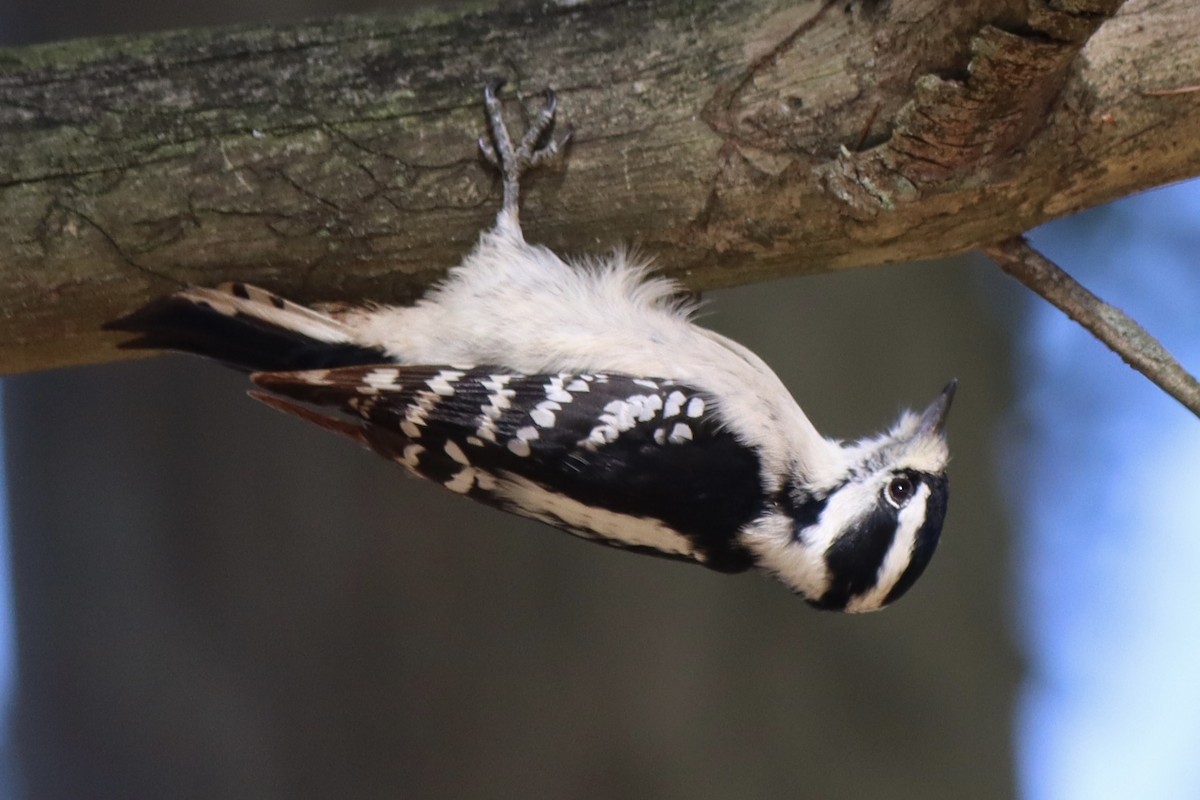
1122	334
335	161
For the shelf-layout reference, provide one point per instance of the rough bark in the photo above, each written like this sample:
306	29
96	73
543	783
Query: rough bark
733	141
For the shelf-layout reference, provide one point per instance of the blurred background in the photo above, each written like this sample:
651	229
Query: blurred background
209	599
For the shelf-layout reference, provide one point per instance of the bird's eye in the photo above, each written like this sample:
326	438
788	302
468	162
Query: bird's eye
900	491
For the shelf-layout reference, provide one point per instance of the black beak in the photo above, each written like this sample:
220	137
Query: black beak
933	418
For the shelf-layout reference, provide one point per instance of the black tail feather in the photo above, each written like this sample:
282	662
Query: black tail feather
240	340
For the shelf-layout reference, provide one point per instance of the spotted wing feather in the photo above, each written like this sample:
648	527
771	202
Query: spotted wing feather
631	462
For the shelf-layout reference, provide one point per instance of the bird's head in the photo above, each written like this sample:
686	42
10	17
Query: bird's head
859	541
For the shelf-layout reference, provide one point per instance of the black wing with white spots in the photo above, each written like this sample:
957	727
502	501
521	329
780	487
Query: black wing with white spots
631	462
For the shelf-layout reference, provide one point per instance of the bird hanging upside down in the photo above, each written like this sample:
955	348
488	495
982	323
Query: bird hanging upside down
584	396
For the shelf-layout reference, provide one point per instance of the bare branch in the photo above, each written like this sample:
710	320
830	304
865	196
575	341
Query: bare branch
1123	335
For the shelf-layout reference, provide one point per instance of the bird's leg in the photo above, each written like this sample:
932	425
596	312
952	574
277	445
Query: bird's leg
537	146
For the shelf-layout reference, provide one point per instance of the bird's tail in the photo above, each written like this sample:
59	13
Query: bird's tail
245	327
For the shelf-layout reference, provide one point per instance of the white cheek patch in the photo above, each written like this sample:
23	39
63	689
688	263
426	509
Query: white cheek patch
771	539
841	512
899	555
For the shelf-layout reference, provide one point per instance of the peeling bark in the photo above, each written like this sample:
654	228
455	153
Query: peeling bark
733	141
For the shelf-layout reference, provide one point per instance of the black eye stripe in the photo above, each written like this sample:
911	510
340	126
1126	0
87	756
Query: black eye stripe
927	537
854	559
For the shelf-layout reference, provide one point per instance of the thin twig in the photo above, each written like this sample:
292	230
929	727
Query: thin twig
1110	325
1168	92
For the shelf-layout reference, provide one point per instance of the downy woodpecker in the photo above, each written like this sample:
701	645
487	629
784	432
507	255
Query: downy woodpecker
584	396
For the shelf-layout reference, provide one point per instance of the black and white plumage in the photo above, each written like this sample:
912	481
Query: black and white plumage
583	395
